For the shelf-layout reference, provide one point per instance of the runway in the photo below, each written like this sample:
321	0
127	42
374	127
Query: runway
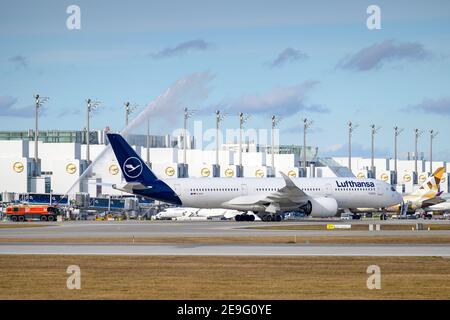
228	250
95	229
130	229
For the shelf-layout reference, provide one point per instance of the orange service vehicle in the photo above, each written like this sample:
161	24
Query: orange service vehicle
22	212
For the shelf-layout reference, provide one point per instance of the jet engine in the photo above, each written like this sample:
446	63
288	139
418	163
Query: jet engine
321	207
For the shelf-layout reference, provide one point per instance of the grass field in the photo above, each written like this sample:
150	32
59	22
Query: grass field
22	225
165	277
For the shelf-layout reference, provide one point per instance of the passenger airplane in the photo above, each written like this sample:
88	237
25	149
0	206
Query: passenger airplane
186	213
426	196
319	197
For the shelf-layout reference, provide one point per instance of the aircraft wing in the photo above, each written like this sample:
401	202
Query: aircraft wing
288	196
430	202
289	192
130	187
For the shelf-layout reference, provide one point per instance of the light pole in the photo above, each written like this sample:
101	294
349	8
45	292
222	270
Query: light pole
242	119
351	128
275	122
187	114
306	125
417	134
39	101
90	106
148	142
374	130
397	132
219	119
128	110
433	134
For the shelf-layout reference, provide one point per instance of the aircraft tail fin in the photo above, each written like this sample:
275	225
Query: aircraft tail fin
134	169
430	187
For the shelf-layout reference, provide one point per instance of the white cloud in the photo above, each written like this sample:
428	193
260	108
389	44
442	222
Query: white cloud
283	101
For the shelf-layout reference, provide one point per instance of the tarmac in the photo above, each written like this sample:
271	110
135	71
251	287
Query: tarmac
227	250
120	229
110	229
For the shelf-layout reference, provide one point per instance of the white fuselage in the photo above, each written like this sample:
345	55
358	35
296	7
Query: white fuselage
242	193
440	207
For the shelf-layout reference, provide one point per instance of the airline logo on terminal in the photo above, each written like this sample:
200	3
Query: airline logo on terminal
18	167
354	184
132	167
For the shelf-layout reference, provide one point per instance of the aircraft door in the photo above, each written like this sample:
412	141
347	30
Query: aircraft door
177	189
328	189
379	189
244	189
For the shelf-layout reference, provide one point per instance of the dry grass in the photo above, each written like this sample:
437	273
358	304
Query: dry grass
21	225
166	277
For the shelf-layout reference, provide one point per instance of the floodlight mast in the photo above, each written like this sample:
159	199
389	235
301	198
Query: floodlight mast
374	131
306	125
90	106
351	128
219	119
275	121
242	120
397	132
417	134
433	134
187	114
39	101
129	109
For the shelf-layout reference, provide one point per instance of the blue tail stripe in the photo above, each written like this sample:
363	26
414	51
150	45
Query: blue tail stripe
133	167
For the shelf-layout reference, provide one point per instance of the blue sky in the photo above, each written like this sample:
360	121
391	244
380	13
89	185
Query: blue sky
290	58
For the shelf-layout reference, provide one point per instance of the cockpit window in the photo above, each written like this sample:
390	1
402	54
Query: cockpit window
392	188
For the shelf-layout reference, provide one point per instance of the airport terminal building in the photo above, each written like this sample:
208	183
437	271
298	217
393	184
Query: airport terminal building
62	160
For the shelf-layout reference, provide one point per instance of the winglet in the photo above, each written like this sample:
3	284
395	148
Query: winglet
287	180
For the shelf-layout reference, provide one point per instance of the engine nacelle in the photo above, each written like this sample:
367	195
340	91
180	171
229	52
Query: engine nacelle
321	207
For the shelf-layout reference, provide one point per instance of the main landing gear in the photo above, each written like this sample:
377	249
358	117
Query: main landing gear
251	217
271	217
383	216
244	217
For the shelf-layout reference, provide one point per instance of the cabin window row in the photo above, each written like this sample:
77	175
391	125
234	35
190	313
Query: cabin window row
354	189
214	189
277	189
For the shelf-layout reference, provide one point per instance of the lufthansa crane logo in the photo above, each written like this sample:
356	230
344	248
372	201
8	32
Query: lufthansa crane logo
71	168
259	173
384	177
422	178
292	174
18	167
361	175
132	167
113	169
407	178
170	171
229	172
205	172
